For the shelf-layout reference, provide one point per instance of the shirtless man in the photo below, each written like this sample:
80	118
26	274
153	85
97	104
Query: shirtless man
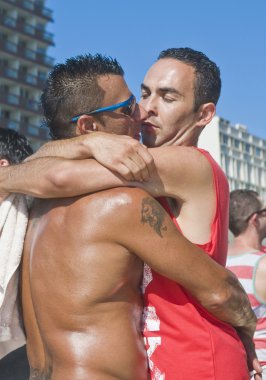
161	96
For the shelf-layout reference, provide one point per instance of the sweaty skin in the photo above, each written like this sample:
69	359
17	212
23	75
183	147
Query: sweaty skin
192	188
81	277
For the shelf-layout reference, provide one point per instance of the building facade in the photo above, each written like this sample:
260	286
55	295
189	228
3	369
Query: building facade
241	155
24	65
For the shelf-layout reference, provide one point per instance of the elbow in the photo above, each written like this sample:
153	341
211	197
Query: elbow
56	182
231	304
58	179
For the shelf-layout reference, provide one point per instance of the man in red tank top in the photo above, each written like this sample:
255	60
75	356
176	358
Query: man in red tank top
179	94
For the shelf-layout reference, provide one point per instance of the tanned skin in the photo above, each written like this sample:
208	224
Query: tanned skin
81	277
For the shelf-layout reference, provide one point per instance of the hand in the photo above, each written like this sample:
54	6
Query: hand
121	154
252	360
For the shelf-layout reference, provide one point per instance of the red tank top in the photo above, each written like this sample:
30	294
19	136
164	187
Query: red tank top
183	341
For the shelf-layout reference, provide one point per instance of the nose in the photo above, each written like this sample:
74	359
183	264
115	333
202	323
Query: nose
148	104
139	114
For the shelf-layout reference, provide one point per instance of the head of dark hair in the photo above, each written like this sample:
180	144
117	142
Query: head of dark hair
13	147
207	87
72	88
243	203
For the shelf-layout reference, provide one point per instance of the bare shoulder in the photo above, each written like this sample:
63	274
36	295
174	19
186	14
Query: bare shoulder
182	160
121	201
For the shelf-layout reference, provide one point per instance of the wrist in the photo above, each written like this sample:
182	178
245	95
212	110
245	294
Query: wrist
86	144
89	142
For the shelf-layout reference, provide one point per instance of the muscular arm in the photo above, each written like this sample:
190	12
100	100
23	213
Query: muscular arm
50	177
216	288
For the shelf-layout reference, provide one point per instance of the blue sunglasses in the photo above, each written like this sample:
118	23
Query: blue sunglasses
127	108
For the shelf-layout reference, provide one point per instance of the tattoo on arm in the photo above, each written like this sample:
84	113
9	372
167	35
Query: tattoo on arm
153	214
36	374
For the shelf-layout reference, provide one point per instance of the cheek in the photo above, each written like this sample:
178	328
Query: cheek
123	129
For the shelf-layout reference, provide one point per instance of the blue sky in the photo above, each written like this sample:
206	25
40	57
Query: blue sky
232	33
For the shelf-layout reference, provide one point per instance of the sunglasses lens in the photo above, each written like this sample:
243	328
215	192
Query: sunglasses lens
127	110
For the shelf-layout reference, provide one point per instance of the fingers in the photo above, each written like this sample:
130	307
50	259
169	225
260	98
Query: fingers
134	164
133	169
257	369
140	165
148	161
139	162
257	366
123	155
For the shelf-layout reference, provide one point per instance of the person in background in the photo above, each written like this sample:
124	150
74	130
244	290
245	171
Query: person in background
247	260
14	148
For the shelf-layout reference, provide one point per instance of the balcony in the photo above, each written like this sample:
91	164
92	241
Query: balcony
28	54
20	103
30	30
22	77
35	8
26	129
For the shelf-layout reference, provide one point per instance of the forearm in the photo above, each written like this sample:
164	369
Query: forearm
32	178
75	148
51	177
234	307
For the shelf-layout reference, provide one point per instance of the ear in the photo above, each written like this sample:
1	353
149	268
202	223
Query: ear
206	113
86	124
4	162
254	220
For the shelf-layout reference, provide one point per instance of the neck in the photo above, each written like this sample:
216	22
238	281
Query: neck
188	138
246	242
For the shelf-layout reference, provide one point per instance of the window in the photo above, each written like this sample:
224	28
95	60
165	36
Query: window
236	143
257	152
247	148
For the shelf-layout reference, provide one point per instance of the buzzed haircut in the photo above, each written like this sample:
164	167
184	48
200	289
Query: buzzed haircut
14	147
243	204
207	74
72	88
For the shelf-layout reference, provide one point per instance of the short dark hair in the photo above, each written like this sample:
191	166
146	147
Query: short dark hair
243	203
14	147
72	88
207	74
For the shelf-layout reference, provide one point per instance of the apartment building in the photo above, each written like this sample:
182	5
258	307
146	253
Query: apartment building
241	154
24	65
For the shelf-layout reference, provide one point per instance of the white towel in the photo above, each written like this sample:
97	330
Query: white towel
13	225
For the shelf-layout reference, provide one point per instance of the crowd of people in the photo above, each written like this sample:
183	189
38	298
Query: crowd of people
122	274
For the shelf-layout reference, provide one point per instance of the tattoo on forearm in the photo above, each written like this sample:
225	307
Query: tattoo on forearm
36	374
153	214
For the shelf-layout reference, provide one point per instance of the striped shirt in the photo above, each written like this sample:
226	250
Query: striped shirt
244	266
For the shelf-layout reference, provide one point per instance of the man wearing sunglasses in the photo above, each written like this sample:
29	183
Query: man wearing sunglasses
247	222
175	111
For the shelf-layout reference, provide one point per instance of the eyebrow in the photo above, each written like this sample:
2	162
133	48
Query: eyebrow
170	90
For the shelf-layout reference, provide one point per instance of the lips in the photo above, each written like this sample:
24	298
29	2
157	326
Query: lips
137	136
148	127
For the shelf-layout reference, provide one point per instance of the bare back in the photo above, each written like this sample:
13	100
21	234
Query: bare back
81	294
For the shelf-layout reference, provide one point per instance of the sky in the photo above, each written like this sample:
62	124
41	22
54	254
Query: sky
231	33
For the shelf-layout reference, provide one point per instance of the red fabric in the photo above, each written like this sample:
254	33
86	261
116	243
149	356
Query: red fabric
183	341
